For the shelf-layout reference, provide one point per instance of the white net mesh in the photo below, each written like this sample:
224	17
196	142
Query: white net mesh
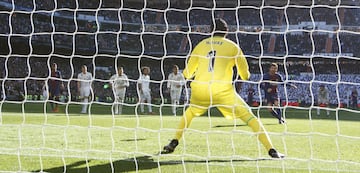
313	42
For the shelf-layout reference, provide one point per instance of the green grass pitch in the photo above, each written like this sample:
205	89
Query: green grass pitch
34	141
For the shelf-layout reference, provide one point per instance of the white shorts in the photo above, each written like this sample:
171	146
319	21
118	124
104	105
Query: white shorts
175	94
323	101
85	92
119	94
145	95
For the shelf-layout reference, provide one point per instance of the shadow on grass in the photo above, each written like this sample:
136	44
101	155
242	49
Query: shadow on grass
125	165
132	140
241	125
131	164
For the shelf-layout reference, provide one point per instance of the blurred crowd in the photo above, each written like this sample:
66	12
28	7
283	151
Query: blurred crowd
133	29
130	30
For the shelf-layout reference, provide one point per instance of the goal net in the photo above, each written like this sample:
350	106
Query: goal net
62	120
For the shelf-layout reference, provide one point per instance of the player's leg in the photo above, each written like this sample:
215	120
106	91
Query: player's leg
244	113
278	111
142	100
355	103
121	99
199	103
327	111
173	101
272	110
277	107
270	102
327	108
352	103
86	102
240	109
51	97
116	103
86	99
56	105
318	109
185	122
56	96
177	98
148	101
83	97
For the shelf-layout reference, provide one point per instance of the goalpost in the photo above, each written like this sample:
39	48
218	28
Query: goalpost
313	42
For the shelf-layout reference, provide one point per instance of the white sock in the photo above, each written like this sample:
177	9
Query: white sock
173	102
84	107
116	111
120	108
149	107
142	107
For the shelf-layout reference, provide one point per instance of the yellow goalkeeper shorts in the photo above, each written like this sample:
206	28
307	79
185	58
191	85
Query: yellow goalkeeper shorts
222	96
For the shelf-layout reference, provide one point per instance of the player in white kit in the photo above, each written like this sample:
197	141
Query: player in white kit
84	87
323	99
119	82
175	82
144	89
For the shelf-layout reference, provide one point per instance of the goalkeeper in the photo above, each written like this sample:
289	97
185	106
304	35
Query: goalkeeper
211	64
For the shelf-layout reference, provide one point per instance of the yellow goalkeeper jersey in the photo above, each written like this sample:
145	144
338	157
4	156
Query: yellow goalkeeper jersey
213	59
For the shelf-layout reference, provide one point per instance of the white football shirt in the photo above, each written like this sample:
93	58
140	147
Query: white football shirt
323	94
85	79
144	80
174	80
119	81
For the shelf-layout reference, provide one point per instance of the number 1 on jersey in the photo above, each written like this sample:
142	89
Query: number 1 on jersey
211	55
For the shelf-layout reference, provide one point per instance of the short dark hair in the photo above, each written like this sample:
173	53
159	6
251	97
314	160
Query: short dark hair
219	27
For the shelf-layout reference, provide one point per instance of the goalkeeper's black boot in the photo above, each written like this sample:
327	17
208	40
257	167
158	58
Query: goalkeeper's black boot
274	154
170	147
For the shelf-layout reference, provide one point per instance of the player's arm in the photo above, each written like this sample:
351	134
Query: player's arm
140	84
62	86
182	80
290	85
169	81
327	96
318	96
242	65
127	84
191	65
281	79
266	85
78	82
293	85
91	81
111	81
